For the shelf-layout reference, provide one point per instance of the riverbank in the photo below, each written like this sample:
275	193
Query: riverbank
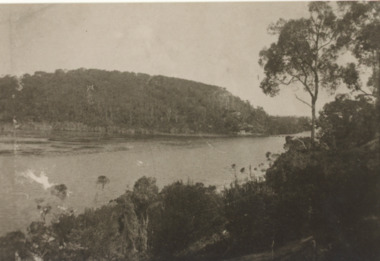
44	129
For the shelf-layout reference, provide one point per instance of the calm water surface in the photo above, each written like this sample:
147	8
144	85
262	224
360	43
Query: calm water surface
29	165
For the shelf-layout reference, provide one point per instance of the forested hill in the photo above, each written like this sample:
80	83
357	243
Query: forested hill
125	102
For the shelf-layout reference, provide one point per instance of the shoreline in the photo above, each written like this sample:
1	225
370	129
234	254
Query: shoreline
49	130
79	130
84	134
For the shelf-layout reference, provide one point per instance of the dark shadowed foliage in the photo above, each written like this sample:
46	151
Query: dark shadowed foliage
248	211
12	245
347	123
188	213
59	191
144	198
102	180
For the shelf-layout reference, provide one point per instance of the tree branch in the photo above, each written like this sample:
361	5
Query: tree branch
330	37
308	104
324	45
297	139
366	93
286	83
304	84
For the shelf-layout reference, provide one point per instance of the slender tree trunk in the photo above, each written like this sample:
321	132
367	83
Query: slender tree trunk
144	233
313	102
377	88
313	118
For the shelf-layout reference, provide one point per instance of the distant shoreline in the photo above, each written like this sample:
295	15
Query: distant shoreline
80	130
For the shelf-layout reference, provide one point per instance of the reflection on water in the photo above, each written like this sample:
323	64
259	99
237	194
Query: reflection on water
55	146
30	166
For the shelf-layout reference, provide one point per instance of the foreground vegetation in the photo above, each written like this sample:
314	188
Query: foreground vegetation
326	195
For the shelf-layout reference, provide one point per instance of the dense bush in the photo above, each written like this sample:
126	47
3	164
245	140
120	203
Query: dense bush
331	192
249	213
103	100
346	123
187	213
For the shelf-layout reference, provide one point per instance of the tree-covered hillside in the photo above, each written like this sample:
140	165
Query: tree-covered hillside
98	100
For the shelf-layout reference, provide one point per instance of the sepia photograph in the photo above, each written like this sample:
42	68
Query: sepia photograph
190	131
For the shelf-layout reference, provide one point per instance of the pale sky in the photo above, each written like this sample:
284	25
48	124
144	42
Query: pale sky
213	43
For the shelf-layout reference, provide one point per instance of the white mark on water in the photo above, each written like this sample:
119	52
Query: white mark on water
213	147
41	179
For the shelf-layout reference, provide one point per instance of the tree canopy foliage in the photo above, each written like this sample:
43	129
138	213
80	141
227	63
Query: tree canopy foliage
361	34
306	54
346	122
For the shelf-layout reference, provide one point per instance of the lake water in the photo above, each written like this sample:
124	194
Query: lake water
30	165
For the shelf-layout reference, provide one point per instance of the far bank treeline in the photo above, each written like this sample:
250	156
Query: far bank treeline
130	103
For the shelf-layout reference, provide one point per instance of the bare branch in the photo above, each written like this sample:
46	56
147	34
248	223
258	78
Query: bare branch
304	84
324	45
331	38
366	93
286	83
297	139
308	104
